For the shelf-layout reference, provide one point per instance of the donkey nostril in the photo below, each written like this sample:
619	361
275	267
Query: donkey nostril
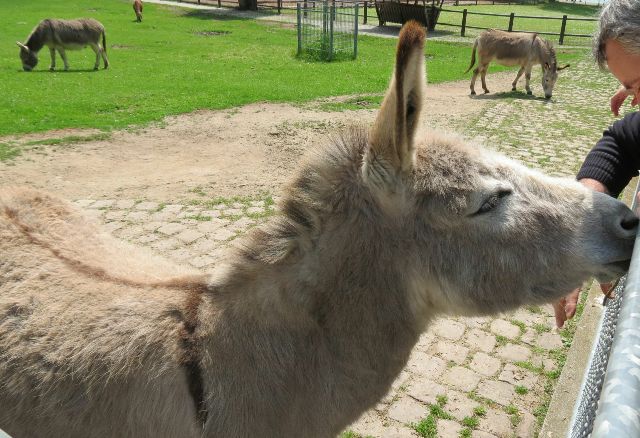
629	222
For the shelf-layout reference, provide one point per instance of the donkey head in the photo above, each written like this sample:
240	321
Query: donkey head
28	57
550	69
474	231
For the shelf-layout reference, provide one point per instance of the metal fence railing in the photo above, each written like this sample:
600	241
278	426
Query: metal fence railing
609	401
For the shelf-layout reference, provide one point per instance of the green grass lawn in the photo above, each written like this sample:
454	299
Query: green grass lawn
166	66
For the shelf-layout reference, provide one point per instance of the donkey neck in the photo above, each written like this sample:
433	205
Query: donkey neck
543	52
314	306
318	332
37	38
356	286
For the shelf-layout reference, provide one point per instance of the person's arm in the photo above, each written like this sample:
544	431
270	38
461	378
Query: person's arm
608	168
615	158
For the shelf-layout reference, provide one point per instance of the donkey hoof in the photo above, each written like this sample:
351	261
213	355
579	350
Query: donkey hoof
473	93
52	69
486	91
529	92
513	88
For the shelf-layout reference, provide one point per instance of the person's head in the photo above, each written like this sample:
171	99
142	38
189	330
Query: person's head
617	42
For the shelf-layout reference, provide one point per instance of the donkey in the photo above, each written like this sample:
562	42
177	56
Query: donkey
64	35
137	8
515	48
308	321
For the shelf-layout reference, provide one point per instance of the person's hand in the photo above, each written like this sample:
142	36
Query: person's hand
618	99
565	308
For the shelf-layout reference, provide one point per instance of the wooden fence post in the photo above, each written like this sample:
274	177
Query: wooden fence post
299	19
332	15
464	22
563	28
279	6
219	4
366	5
511	17
355	33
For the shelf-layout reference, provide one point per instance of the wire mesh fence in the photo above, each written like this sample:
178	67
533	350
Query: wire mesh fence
328	30
587	403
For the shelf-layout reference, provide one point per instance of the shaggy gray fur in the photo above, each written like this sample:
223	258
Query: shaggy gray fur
308	323
62	35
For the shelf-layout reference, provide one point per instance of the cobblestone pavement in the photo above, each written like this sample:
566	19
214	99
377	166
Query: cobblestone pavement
469	377
486	374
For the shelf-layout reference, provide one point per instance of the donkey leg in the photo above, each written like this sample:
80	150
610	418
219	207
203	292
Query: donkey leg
96	50
103	53
515	81
52	52
482	78
105	60
473	80
63	55
527	76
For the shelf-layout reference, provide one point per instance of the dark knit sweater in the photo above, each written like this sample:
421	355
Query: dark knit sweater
615	158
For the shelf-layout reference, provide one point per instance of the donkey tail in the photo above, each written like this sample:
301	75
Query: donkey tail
104	42
473	55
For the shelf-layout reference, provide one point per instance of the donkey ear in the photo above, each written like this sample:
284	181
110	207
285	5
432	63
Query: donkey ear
562	68
391	141
22	46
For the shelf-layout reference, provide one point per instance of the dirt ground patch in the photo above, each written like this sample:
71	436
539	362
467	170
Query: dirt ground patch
241	151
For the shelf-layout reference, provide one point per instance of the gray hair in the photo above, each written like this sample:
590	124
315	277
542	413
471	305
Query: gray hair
619	20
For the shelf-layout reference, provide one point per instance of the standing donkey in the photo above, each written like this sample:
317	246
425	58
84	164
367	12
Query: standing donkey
137	8
308	322
515	48
62	35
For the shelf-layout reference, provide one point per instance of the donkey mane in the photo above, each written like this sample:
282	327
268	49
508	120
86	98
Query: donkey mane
37	38
546	48
324	185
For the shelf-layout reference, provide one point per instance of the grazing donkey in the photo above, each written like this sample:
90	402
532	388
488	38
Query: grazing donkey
137	8
64	35
514	48
309	321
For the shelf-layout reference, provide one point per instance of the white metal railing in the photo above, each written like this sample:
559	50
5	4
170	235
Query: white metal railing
609	403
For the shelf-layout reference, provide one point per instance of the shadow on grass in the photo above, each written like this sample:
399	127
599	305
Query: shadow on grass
224	14
571	9
443	33
80	70
509	95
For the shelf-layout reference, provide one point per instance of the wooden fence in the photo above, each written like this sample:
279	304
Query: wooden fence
365	5
510	27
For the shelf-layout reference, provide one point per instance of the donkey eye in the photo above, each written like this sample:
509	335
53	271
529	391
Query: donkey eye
492	202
